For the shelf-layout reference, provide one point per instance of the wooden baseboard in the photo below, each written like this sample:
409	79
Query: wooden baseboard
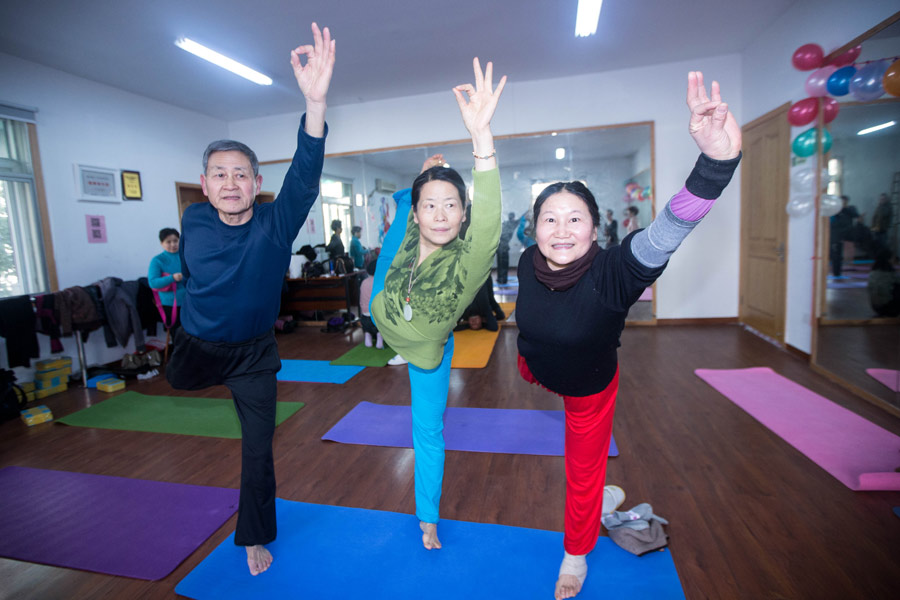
804	356
707	321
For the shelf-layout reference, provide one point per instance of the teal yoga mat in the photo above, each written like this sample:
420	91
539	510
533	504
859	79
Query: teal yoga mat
316	371
131	411
339	552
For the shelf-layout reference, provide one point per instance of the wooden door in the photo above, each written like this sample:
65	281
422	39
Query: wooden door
764	194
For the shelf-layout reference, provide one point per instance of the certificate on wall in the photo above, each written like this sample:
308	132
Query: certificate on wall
96	184
131	185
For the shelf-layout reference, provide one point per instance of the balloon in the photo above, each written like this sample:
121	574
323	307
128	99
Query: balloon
839	82
808	57
803	112
816	83
830	109
846	58
803	181
806	143
830	205
800	205
891	79
866	84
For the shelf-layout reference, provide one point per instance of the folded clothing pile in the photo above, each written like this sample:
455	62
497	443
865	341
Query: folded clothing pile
637	530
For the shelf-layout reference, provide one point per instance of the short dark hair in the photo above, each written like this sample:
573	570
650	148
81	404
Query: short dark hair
336	224
573	187
228	146
438	174
166	232
633	210
356	229
511	216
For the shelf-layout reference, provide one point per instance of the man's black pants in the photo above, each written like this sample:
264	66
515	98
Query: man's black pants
248	370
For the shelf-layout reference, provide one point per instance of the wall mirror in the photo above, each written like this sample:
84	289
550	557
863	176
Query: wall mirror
854	343
615	162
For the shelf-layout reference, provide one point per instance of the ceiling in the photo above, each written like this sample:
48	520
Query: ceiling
384	49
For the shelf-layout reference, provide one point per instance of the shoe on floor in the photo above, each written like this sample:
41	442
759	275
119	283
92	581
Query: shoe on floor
613	497
398	360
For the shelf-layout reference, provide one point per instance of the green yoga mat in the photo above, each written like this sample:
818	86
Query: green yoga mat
366	357
131	411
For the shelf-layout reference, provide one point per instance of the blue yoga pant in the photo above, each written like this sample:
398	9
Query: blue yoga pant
428	387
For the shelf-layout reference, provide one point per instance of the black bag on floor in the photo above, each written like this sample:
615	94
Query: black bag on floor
12	397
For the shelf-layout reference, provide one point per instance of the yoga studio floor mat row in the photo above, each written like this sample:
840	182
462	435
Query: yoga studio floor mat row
131	411
365	357
472	349
114	525
858	453
338	552
497	430
316	371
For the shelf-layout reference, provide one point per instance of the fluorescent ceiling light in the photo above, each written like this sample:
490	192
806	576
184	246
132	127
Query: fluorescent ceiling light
587	16
876	128
222	61
560	153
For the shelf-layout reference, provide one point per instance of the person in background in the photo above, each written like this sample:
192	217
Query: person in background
165	278
365	318
611	230
335	247
884	286
631	221
506	233
358	252
525	232
881	220
842	225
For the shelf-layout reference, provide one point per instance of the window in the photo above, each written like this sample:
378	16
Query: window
835	173
23	267
336	205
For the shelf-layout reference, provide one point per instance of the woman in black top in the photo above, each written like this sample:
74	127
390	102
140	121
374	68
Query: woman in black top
574	297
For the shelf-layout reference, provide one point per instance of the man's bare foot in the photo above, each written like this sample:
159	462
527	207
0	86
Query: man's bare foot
258	559
572	573
429	536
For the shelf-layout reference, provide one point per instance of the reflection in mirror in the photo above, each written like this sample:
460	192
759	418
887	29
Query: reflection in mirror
858	335
614	162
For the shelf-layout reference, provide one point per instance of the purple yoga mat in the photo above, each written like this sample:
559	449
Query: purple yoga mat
114	525
497	430
888	377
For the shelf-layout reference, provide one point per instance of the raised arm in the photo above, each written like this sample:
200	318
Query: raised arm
477	109
314	77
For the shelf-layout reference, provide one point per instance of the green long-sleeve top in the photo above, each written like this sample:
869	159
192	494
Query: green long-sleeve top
445	282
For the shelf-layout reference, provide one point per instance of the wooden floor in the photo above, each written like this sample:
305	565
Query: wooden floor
750	516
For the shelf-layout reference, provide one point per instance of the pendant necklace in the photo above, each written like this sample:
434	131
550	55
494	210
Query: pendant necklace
407	309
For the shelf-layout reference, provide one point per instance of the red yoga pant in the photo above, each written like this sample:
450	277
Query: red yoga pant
588	433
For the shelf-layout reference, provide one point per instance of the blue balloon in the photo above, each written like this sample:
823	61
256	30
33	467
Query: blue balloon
866	84
839	82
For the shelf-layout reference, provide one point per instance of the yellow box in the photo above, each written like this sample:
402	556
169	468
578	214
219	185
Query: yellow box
29	396
44	383
52	364
50	391
38	414
110	385
27	386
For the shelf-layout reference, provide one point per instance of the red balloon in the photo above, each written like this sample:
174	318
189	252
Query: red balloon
847	58
808	57
831	109
803	112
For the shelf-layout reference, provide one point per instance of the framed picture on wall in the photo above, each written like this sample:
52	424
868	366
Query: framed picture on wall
96	184
131	185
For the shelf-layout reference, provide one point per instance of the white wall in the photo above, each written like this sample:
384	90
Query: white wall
79	121
769	80
699	282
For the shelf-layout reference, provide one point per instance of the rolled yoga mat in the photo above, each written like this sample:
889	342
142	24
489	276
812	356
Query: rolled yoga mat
860	454
316	371
472	349
365	357
114	525
131	411
888	377
339	552
496	430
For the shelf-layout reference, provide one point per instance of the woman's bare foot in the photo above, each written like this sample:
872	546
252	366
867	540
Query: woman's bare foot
429	536
258	559
572	573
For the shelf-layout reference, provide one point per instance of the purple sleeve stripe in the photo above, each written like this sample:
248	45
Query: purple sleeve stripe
689	207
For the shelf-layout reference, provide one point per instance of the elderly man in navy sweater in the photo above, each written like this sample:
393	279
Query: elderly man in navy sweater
234	255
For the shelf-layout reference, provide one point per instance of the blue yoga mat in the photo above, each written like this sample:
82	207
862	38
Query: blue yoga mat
497	430
316	371
338	552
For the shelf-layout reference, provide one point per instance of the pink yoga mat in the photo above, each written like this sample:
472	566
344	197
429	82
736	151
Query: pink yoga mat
858	453
888	377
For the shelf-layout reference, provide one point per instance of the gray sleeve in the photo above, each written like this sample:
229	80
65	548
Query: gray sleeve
653	246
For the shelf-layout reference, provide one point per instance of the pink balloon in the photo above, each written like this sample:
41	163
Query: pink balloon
830	109
808	57
803	112
817	82
847	58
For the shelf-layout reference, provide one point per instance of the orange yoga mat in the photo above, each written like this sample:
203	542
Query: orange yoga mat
472	349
